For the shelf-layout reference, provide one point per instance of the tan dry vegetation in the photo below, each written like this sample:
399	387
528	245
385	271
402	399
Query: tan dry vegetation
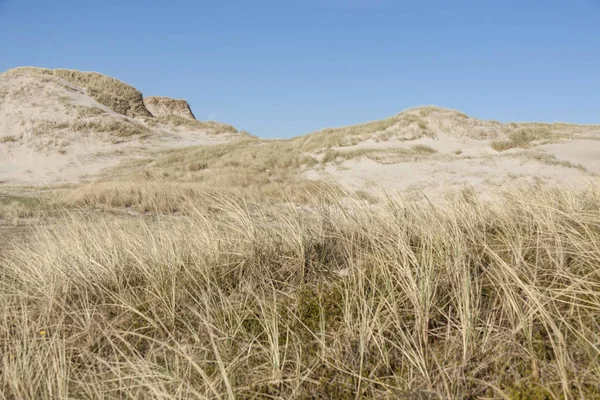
16	207
384	156
407	125
249	169
8	139
177	121
112	126
464	299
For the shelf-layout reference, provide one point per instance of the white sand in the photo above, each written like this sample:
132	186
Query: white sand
478	167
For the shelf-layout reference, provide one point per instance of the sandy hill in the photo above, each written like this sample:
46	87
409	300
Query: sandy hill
433	149
66	126
61	125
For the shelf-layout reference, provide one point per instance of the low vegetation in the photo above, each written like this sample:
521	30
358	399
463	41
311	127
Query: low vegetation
113	126
524	136
249	168
175	120
17	207
236	299
384	156
8	139
406	125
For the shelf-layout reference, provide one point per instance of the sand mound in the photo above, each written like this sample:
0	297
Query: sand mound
429	150
118	96
63	125
436	122
160	106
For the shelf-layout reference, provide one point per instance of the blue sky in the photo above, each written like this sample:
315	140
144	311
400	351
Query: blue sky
288	67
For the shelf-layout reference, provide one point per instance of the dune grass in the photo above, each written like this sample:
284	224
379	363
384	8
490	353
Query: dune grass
524	135
17	207
248	168
384	156
112	125
410	120
8	139
178	121
465	299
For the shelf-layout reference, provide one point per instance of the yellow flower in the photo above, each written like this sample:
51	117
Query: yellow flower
43	332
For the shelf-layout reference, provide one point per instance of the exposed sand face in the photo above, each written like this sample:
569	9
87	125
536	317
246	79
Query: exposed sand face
51	131
584	152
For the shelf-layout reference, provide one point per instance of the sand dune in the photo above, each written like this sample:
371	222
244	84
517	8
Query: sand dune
66	126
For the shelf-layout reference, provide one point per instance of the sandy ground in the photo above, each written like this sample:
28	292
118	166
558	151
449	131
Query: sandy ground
478	167
31	157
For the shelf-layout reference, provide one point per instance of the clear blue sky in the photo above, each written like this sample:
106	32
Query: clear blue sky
280	68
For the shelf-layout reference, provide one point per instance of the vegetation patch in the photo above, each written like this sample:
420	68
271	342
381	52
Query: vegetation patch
377	130
178	121
8	139
238	299
523	137
113	126
384	156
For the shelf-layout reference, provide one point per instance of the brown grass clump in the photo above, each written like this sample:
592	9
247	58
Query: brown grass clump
178	121
14	210
250	169
384	156
113	126
465	299
525	135
8	139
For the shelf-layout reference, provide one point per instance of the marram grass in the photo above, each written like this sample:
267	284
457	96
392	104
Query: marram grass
462	299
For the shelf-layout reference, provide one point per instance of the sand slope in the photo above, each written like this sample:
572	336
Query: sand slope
428	151
68	126
63	127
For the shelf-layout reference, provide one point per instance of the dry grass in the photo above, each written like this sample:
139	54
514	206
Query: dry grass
410	121
175	120
250	169
526	135
384	156
239	300
113	126
8	139
13	208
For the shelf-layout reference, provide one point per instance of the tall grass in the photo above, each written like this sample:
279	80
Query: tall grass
463	299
